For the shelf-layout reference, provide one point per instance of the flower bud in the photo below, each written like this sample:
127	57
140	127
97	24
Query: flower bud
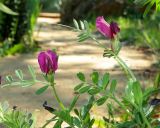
48	61
108	30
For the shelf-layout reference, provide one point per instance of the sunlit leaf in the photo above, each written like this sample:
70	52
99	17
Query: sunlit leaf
65	116
105	80
83	38
84	89
41	90
94	90
101	101
76	24
19	74
113	86
95	77
9	78
137	91
82	25
7	10
81	76
32	72
77	122
78	86
74	101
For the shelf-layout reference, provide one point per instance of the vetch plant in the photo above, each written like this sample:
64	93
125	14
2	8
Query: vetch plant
48	62
139	106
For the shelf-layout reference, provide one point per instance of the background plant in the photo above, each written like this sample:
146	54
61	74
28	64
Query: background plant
12	118
149	5
17	30
152	41
5	9
50	5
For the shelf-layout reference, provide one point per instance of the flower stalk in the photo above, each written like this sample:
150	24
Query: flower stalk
126	69
57	97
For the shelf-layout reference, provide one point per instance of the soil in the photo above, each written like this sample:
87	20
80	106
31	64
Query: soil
74	57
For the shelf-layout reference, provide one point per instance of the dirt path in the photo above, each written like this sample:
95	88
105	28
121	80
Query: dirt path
74	57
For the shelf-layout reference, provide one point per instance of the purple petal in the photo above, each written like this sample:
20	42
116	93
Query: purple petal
54	59
42	60
48	61
114	28
103	27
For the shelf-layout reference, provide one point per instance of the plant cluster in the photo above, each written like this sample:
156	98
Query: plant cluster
13	118
149	5
139	106
17	29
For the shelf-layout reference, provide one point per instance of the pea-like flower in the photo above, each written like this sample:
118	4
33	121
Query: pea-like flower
48	61
108	30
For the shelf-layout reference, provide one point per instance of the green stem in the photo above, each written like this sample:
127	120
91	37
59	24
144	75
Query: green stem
74	101
121	105
125	68
48	122
98	43
57	98
119	60
60	104
145	119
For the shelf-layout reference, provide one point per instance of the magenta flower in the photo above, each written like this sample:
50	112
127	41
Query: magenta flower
108	30
48	61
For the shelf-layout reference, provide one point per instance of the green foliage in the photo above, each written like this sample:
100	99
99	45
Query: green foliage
21	81
131	29
17	48
5	9
95	77
50	5
17	30
12	118
65	116
134	100
153	41
83	28
41	90
81	76
149	5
